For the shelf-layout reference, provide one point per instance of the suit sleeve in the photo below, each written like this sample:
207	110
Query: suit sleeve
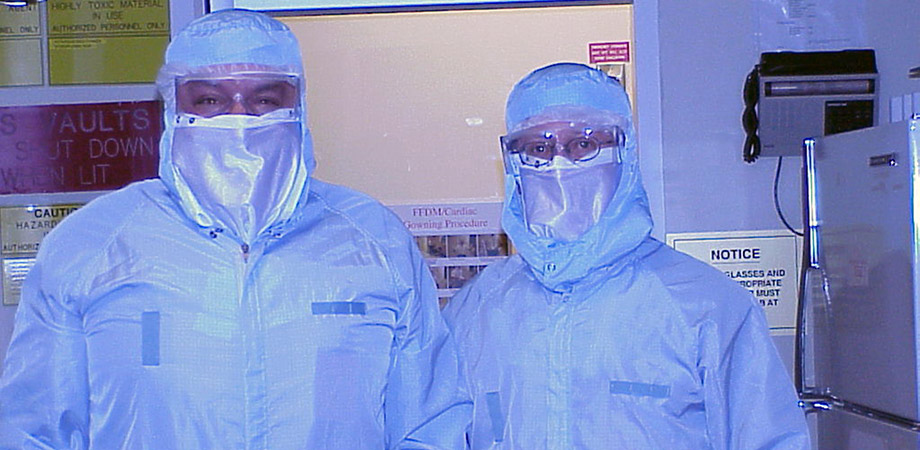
427	406
44	399
750	399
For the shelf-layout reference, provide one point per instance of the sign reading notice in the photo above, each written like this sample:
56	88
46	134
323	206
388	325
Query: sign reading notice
20	41
22	229
763	262
106	41
69	148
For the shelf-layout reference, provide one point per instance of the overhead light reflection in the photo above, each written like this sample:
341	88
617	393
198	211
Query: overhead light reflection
20	3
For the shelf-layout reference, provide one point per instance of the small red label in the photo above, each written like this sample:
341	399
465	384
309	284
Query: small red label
605	52
86	147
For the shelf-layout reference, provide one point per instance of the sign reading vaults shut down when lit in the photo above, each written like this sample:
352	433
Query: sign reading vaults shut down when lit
86	147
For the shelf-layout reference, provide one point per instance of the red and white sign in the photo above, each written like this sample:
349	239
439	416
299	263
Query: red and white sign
86	147
607	52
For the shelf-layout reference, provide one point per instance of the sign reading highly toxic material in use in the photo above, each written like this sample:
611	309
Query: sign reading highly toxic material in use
766	263
22	229
106	41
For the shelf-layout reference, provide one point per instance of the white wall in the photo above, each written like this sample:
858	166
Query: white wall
704	51
647	102
893	29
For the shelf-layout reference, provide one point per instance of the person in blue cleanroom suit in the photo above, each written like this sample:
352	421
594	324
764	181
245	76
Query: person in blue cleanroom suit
595	335
234	302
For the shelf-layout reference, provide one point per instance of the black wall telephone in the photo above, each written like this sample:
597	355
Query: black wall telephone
791	96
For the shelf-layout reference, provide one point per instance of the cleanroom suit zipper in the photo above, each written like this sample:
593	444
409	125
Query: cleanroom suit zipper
252	334
558	399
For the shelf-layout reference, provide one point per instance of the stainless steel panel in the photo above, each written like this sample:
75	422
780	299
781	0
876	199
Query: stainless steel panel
865	333
840	430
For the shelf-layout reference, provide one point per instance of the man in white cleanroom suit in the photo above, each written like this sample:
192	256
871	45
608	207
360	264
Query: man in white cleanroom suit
595	335
234	302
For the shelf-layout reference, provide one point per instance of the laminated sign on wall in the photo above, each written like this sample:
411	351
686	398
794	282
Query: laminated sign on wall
78	147
22	229
456	239
766	263
20	42
106	41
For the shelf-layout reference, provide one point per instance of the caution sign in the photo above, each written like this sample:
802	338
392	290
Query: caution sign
766	263
22	229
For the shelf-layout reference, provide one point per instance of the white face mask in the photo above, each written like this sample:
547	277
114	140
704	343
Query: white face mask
563	200
242	172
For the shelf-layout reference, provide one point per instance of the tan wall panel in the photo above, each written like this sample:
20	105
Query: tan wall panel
408	107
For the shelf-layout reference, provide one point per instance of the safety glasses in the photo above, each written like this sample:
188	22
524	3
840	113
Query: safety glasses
537	146
246	94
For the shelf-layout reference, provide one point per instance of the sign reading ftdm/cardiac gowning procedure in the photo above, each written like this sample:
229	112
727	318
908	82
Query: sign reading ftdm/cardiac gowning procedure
458	240
763	262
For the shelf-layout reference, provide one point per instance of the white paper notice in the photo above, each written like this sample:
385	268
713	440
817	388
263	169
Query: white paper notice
810	25
766	263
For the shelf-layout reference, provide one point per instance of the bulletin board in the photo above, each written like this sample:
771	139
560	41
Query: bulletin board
68	52
457	240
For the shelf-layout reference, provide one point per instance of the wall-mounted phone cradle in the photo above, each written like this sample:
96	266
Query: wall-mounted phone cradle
615	70
807	94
